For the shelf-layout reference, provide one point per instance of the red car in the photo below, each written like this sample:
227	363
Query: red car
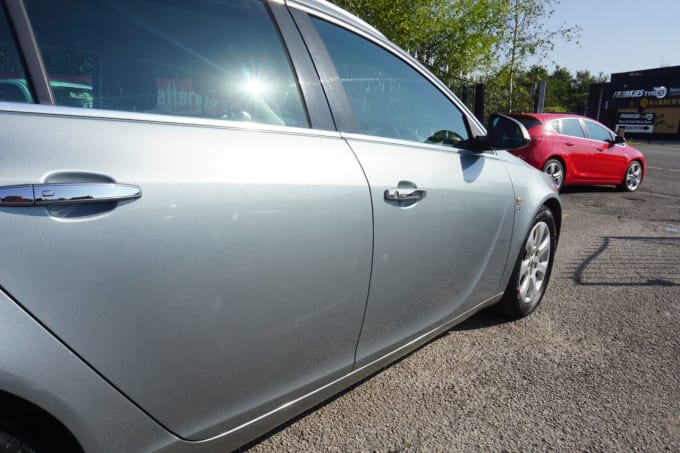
575	149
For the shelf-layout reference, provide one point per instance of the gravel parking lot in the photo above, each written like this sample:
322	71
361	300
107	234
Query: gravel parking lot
596	368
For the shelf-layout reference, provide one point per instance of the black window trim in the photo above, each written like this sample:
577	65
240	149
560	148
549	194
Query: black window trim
338	101
36	74
314	99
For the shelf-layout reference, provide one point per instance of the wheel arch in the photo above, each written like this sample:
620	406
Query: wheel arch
556	209
643	164
34	425
622	185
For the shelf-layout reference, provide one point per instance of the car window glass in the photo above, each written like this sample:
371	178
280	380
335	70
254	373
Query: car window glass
572	127
527	121
388	97
13	85
554	125
597	132
206	58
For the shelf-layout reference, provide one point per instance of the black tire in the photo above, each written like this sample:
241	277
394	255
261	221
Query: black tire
533	265
632	178
12	444
555	169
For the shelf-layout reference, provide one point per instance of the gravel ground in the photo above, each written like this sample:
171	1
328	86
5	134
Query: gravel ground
595	368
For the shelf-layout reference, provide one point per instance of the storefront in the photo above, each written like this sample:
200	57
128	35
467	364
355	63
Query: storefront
644	104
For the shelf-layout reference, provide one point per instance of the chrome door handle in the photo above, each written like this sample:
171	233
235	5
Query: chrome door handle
405	194
54	194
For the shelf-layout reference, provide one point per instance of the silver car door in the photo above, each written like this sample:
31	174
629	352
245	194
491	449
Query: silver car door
230	274
442	217
440	254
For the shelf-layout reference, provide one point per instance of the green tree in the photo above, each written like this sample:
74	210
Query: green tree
558	90
580	86
526	35
564	92
451	37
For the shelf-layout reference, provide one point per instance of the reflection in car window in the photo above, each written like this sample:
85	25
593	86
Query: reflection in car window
388	97
597	132
527	121
572	127
206	58
13	85
554	125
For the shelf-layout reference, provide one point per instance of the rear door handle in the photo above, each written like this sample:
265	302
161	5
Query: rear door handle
405	194
56	194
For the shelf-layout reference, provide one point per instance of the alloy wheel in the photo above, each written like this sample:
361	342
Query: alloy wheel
633	176
535	263
554	169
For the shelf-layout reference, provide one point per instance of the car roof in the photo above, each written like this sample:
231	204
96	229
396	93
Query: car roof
545	117
330	9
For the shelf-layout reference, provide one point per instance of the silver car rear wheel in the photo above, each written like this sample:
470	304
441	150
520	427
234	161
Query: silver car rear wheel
555	170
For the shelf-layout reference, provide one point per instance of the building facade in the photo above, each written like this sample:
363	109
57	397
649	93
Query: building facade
645	104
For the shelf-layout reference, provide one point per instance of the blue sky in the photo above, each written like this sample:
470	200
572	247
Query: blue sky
617	35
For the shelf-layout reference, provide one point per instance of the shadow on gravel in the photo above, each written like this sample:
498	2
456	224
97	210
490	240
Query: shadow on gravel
482	320
588	189
630	261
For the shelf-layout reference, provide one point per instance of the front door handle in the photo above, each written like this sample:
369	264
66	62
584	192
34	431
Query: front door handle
59	194
405	194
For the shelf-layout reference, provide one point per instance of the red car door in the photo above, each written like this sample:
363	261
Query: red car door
608	163
577	148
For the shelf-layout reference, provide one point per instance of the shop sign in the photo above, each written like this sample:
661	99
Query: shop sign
639	123
656	92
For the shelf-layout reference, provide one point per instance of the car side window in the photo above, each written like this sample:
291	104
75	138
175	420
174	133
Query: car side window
597	132
572	127
554	125
205	58
388	97
13	85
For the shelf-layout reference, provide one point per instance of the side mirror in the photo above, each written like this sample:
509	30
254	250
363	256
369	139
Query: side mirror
506	133
617	140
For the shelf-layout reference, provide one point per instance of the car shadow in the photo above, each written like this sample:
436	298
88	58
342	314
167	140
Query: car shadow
588	189
489	317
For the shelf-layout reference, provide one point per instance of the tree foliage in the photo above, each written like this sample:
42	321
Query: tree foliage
565	92
455	37
526	35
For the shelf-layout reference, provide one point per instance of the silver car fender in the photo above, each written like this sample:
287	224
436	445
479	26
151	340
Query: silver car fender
533	189
38	369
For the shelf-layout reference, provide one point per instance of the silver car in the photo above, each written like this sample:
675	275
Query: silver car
259	204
